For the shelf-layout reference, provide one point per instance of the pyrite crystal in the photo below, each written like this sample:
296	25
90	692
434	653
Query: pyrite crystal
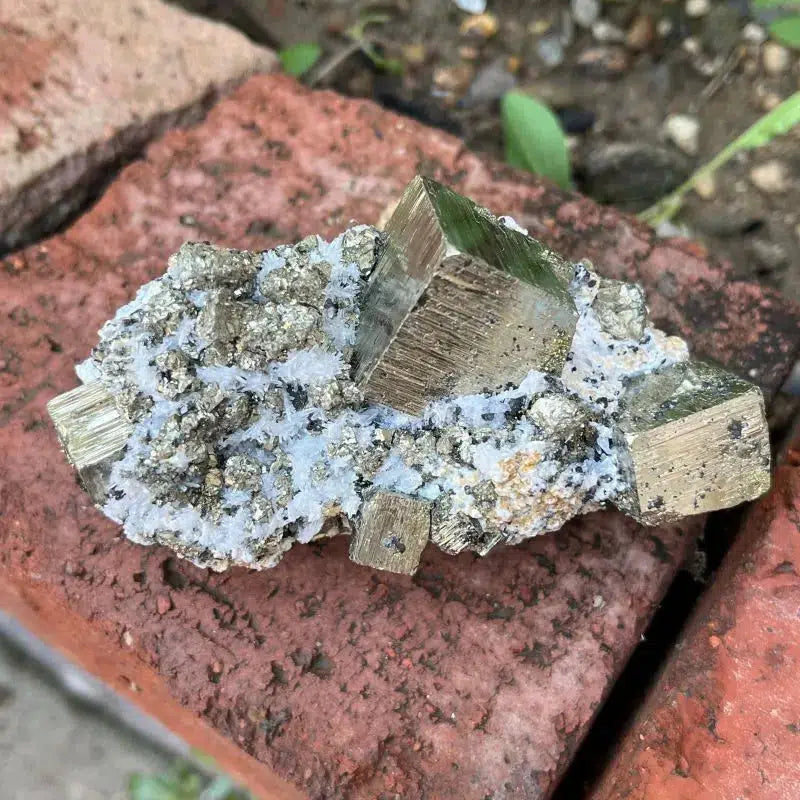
458	303
449	379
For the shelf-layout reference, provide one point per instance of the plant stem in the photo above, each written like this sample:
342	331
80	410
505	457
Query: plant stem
666	208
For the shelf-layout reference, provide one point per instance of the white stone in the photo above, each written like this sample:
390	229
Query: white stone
753	34
771	177
585	12
606	32
776	58
705	187
664	27
691	44
697	8
684	131
471	6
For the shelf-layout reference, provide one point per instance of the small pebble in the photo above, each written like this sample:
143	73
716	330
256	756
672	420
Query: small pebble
604	62
750	66
606	32
776	58
641	32
550	50
770	177
483	25
691	44
538	27
684	131
753	34
453	79
471	6
585	12
705	187
697	8
664	27
415	54
490	84
708	67
767	100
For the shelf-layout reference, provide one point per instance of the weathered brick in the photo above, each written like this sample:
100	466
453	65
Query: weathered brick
478	676
88	82
724	718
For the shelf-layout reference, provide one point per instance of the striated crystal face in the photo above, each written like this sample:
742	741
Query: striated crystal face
232	408
459	303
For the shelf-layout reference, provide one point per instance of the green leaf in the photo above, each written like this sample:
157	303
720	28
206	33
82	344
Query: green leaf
784	4
299	58
777	122
786	31
181	782
152	787
534	139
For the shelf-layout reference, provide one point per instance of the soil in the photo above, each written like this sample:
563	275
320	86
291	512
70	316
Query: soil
605	93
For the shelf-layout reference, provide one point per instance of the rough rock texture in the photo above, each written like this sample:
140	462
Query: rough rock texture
471	679
724	717
87	82
239	430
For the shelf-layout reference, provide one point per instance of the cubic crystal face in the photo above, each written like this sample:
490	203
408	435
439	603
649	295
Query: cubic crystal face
392	532
458	303
694	439
448	380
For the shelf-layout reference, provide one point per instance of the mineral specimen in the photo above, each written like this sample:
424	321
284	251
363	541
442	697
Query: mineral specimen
449	380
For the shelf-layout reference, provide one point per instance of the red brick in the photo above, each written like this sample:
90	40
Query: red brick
724	719
86	82
475	678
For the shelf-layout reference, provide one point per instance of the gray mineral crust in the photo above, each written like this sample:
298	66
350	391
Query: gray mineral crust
235	422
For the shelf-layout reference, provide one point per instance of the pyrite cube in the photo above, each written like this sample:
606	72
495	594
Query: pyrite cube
92	433
458	303
693	439
391	533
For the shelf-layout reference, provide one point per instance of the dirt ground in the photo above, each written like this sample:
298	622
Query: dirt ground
613	85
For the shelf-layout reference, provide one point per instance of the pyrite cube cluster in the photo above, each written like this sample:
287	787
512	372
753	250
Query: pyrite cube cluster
448	380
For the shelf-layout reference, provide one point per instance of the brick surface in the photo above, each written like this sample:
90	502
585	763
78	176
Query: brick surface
477	677
85	82
724	718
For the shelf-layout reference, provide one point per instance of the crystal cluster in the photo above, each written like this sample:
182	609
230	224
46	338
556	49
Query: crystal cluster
246	401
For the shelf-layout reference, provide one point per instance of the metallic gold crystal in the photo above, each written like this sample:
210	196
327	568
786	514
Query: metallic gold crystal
458	533
458	303
693	439
392	532
92	433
